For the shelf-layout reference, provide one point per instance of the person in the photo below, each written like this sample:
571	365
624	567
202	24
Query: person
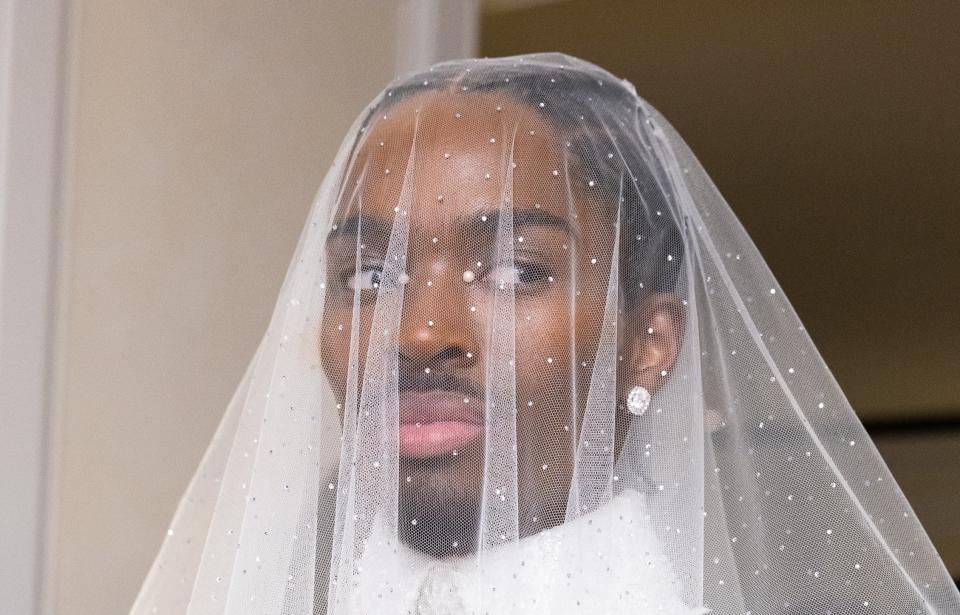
526	360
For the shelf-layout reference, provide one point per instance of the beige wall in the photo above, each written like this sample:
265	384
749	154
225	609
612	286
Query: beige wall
198	134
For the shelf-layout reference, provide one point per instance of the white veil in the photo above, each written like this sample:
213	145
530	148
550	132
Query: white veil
526	360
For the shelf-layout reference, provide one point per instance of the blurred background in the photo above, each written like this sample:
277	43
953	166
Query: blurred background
157	161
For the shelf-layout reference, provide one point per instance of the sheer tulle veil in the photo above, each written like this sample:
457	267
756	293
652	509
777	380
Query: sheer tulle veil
525	359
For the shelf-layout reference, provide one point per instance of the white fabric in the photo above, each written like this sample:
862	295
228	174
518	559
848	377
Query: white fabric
501	251
625	570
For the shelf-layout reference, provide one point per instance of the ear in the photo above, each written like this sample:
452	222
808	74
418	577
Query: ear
654	340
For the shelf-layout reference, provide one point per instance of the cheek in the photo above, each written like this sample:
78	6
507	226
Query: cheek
547	356
334	345
542	349
544	409
545	430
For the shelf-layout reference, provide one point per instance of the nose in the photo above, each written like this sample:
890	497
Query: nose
437	328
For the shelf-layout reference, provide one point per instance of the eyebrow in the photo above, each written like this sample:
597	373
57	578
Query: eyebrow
522	216
481	222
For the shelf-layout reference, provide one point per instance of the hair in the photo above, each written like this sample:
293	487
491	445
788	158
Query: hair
601	122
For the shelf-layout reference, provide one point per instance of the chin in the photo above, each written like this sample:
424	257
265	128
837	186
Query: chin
442	497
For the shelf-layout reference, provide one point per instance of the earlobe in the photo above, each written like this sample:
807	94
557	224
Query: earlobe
655	345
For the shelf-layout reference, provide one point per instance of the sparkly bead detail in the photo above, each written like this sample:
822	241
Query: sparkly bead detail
638	400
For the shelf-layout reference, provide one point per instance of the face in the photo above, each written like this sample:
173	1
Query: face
453	204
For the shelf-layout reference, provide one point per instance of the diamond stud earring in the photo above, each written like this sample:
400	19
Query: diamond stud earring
638	400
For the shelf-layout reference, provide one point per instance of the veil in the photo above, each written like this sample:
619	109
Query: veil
525	359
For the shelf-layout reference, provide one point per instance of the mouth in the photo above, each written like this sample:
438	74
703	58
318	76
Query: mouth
437	422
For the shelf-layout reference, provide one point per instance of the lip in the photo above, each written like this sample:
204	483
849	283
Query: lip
435	423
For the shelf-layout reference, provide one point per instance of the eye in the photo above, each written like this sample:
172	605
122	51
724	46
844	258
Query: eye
521	273
367	279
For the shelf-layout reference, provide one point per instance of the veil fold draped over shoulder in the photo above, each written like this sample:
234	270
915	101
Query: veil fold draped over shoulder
526	359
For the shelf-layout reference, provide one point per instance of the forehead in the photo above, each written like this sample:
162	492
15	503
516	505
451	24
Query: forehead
461	153
469	122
